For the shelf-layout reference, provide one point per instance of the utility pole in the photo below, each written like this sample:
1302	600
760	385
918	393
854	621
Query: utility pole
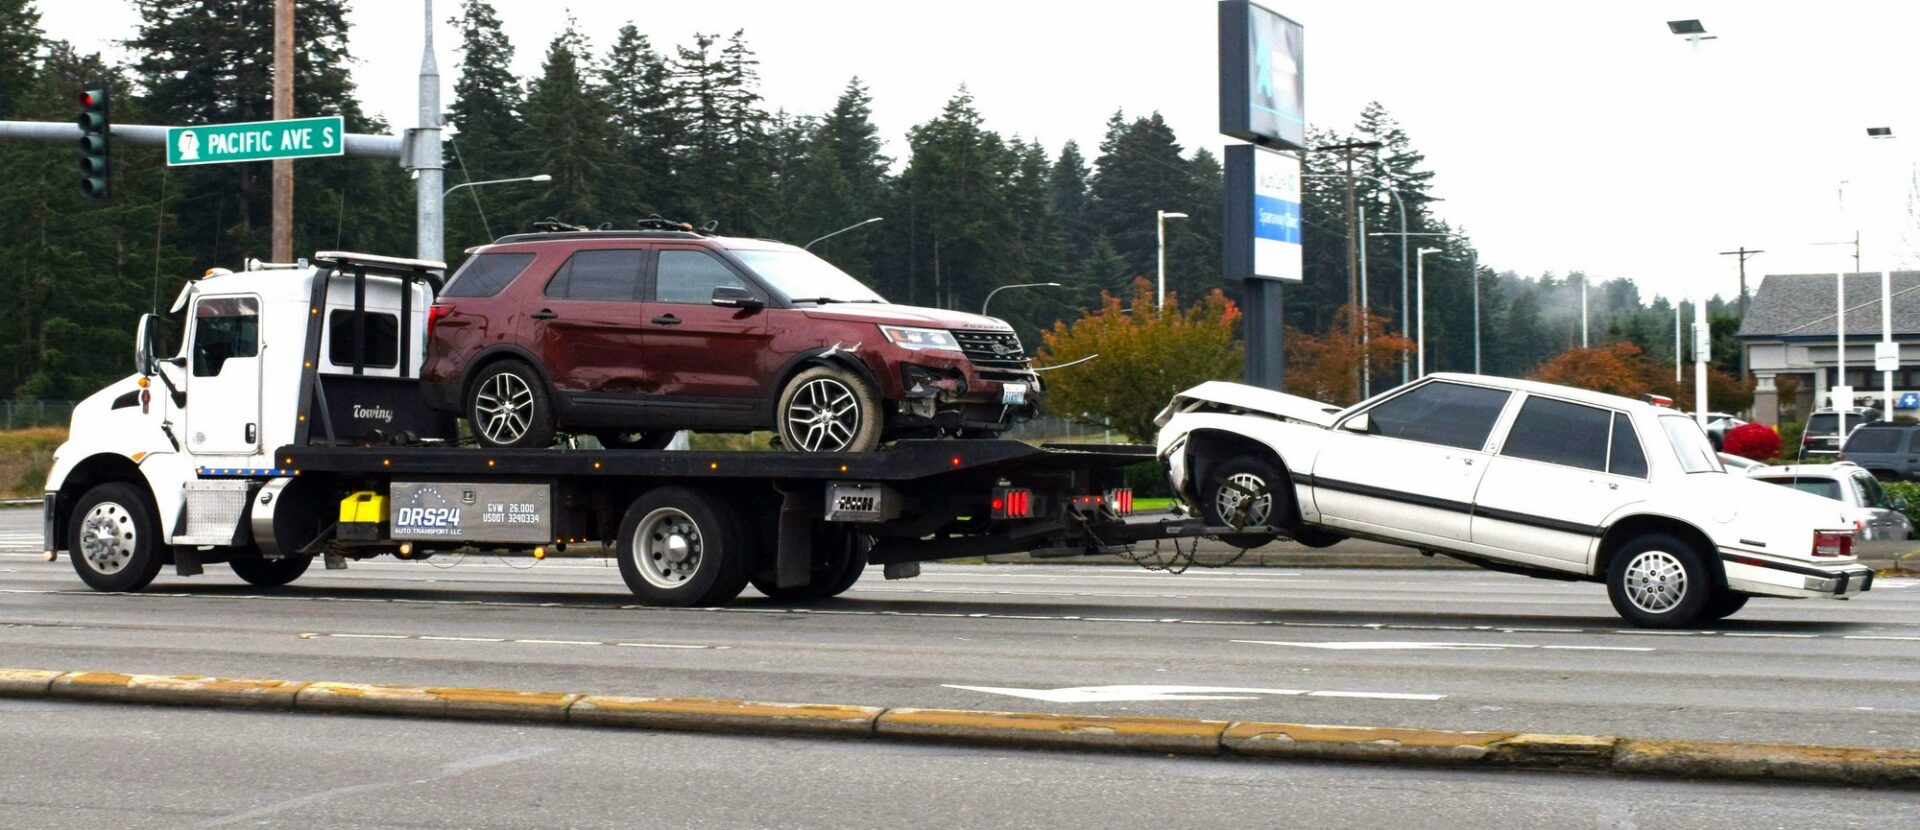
1353	241
282	111
1743	254
429	215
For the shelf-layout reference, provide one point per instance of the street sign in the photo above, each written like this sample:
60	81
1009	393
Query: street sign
1886	356
1842	397
1910	400
256	141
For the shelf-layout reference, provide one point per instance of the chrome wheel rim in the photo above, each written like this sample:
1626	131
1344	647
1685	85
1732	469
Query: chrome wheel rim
503	408
108	538
1656	581
823	416
667	548
1227	502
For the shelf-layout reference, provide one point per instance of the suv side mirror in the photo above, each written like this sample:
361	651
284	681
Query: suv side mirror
1900	503
1358	423
733	296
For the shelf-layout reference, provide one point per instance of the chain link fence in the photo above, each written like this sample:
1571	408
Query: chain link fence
1055	430
28	414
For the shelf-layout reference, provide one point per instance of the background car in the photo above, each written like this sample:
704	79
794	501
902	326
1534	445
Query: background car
1718	423
1822	436
1891	452
1876	515
633	335
1514	476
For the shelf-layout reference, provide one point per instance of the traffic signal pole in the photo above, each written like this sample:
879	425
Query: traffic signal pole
425	158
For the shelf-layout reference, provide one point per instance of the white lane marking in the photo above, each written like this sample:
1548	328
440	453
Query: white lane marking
1132	693
1377	695
311	635
465	639
371	636
1770	636
667	645
1430	646
561	642
1870	637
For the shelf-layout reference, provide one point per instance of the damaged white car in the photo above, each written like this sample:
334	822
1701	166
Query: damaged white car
1515	476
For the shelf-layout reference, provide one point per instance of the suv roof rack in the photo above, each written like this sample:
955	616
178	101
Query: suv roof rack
652	227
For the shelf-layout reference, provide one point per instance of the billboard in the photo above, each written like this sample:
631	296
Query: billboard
1261	238
1262	92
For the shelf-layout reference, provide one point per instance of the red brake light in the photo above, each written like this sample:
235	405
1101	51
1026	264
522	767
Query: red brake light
434	313
1122	501
1013	503
1833	545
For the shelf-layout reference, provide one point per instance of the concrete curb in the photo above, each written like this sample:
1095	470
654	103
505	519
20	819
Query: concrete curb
1711	760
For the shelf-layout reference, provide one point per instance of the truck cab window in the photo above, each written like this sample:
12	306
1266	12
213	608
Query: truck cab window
382	338
224	328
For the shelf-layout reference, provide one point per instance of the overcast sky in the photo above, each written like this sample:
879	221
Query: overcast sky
1566	136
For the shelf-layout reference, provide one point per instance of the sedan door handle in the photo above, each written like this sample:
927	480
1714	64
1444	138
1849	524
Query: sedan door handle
543	314
666	320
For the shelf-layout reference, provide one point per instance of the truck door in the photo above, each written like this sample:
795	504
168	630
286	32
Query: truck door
223	376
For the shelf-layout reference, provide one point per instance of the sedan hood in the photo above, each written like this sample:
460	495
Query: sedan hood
905	315
1253	398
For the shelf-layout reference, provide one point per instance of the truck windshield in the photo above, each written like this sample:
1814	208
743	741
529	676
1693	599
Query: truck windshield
804	277
1690	444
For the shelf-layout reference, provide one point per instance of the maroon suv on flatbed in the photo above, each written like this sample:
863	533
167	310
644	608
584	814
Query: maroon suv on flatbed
633	335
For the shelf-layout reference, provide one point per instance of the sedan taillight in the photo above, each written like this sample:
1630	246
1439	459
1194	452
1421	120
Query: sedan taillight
1833	545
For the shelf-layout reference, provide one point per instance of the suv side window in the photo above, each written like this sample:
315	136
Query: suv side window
223	328
1557	432
485	275
689	276
1449	414
598	275
1625	457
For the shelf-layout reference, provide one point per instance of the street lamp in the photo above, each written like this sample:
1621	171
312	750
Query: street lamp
1162	216
1695	33
1420	295
861	223
1886	354
989	300
484	224
1406	309
1473	273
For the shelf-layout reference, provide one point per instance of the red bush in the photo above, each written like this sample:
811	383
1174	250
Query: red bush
1752	441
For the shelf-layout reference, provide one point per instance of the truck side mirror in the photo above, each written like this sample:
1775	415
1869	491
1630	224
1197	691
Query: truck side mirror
733	296
145	344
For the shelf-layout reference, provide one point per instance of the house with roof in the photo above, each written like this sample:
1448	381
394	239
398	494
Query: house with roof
1790	339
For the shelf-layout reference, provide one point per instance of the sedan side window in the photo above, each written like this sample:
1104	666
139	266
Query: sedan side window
1871	493
1558	432
690	277
1626	458
1450	414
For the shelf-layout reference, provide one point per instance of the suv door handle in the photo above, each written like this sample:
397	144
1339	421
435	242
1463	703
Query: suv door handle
543	314
666	320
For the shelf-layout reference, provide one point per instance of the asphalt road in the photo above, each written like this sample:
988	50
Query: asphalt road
1441	649
89	766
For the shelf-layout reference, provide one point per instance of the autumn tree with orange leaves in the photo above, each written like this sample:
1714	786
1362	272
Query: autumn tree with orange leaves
1146	354
1326	367
1622	369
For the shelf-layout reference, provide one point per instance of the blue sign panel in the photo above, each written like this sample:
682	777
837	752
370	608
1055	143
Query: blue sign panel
1910	400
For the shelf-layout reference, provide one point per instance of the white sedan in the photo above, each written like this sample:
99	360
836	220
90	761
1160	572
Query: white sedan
1515	476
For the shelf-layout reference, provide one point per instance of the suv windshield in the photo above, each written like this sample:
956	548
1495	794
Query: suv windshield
804	277
1690	444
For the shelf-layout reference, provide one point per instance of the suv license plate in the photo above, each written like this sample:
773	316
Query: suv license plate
1013	394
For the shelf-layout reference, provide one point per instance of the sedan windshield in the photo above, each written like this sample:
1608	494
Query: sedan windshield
804	277
1690	444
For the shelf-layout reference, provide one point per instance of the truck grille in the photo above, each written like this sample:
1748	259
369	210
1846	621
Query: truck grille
992	349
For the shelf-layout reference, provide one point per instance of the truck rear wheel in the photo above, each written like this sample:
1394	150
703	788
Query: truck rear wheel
846	555
113	538
681	547
248	564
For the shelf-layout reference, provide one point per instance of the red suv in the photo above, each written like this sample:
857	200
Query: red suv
633	335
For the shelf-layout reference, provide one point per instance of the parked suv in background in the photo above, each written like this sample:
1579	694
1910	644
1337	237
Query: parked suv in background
1875	515
1822	436
633	335
1890	451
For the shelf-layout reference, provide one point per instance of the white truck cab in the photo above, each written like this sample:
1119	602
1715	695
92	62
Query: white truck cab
176	448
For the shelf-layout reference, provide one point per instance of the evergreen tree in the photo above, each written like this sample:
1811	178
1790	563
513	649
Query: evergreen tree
639	88
485	117
848	141
569	133
954	177
1140	170
725	168
19	45
1068	183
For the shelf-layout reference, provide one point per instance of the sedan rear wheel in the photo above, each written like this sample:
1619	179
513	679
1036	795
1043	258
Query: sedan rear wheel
1659	581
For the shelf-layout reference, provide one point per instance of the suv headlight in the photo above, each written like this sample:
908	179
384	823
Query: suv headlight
920	339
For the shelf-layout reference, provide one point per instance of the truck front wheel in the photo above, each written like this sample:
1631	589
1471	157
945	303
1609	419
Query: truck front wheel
114	539
680	547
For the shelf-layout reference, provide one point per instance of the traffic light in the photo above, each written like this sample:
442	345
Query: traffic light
96	157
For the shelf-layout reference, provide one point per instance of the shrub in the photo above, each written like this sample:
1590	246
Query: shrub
1909	490
1753	441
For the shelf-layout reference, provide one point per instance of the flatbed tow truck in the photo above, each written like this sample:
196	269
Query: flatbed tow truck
288	426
